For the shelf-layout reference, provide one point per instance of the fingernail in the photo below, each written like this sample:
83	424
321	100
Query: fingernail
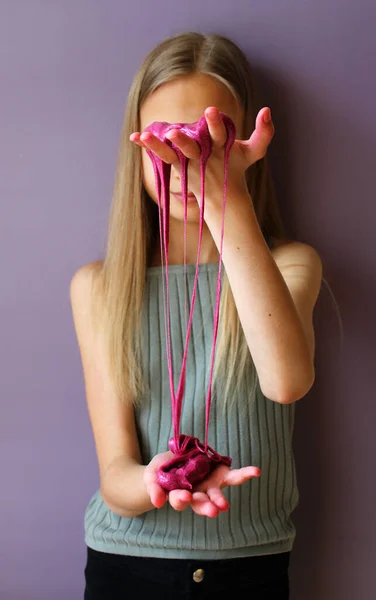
267	116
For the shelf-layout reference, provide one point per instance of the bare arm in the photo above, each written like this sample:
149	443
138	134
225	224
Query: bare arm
275	294
121	472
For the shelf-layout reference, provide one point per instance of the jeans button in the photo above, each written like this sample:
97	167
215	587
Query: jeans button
198	575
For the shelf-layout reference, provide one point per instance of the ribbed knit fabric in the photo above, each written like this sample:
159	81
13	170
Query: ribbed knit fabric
253	432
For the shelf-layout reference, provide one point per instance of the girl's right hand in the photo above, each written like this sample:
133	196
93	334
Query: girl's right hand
179	499
207	500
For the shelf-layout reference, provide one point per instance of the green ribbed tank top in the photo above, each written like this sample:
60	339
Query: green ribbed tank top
254	431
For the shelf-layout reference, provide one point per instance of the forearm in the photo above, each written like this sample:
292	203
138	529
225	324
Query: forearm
270	321
123	488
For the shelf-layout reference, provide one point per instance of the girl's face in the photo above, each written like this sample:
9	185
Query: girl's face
184	100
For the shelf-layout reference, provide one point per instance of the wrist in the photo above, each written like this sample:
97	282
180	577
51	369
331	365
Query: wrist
236	204
123	489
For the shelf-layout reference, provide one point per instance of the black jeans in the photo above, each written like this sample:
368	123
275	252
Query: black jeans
117	577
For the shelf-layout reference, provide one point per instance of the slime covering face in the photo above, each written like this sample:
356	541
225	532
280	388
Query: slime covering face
193	460
184	100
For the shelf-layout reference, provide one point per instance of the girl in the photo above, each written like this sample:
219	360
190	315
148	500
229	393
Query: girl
233	533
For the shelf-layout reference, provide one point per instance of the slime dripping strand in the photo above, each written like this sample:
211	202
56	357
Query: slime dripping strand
193	460
162	171
218	294
204	156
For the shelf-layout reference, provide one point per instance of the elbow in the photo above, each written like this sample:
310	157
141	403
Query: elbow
293	395
118	510
290	392
114	507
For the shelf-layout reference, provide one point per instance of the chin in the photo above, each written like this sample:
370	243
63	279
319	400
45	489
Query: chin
177	209
193	213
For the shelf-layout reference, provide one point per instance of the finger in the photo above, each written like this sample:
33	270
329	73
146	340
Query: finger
162	150
218	498
185	143
257	145
179	499
216	126
203	506
239	476
135	137
156	494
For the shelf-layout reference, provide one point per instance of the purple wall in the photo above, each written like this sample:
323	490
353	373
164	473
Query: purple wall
65	70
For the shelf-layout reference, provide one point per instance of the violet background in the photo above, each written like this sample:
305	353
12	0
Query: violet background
65	71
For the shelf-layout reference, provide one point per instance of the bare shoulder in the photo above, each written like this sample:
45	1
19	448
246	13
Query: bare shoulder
289	253
301	267
84	278
81	290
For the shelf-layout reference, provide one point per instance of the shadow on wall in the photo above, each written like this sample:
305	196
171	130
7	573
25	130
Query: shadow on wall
315	461
313	139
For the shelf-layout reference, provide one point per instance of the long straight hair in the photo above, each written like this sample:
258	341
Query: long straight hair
133	219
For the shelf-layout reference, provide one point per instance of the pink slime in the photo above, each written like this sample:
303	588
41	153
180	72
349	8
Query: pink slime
193	460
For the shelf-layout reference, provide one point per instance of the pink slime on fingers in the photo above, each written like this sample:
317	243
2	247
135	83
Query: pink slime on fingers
193	460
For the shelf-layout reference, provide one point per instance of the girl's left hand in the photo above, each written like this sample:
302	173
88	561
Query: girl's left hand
242	154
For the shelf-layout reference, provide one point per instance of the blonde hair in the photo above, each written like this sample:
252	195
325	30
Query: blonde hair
133	218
